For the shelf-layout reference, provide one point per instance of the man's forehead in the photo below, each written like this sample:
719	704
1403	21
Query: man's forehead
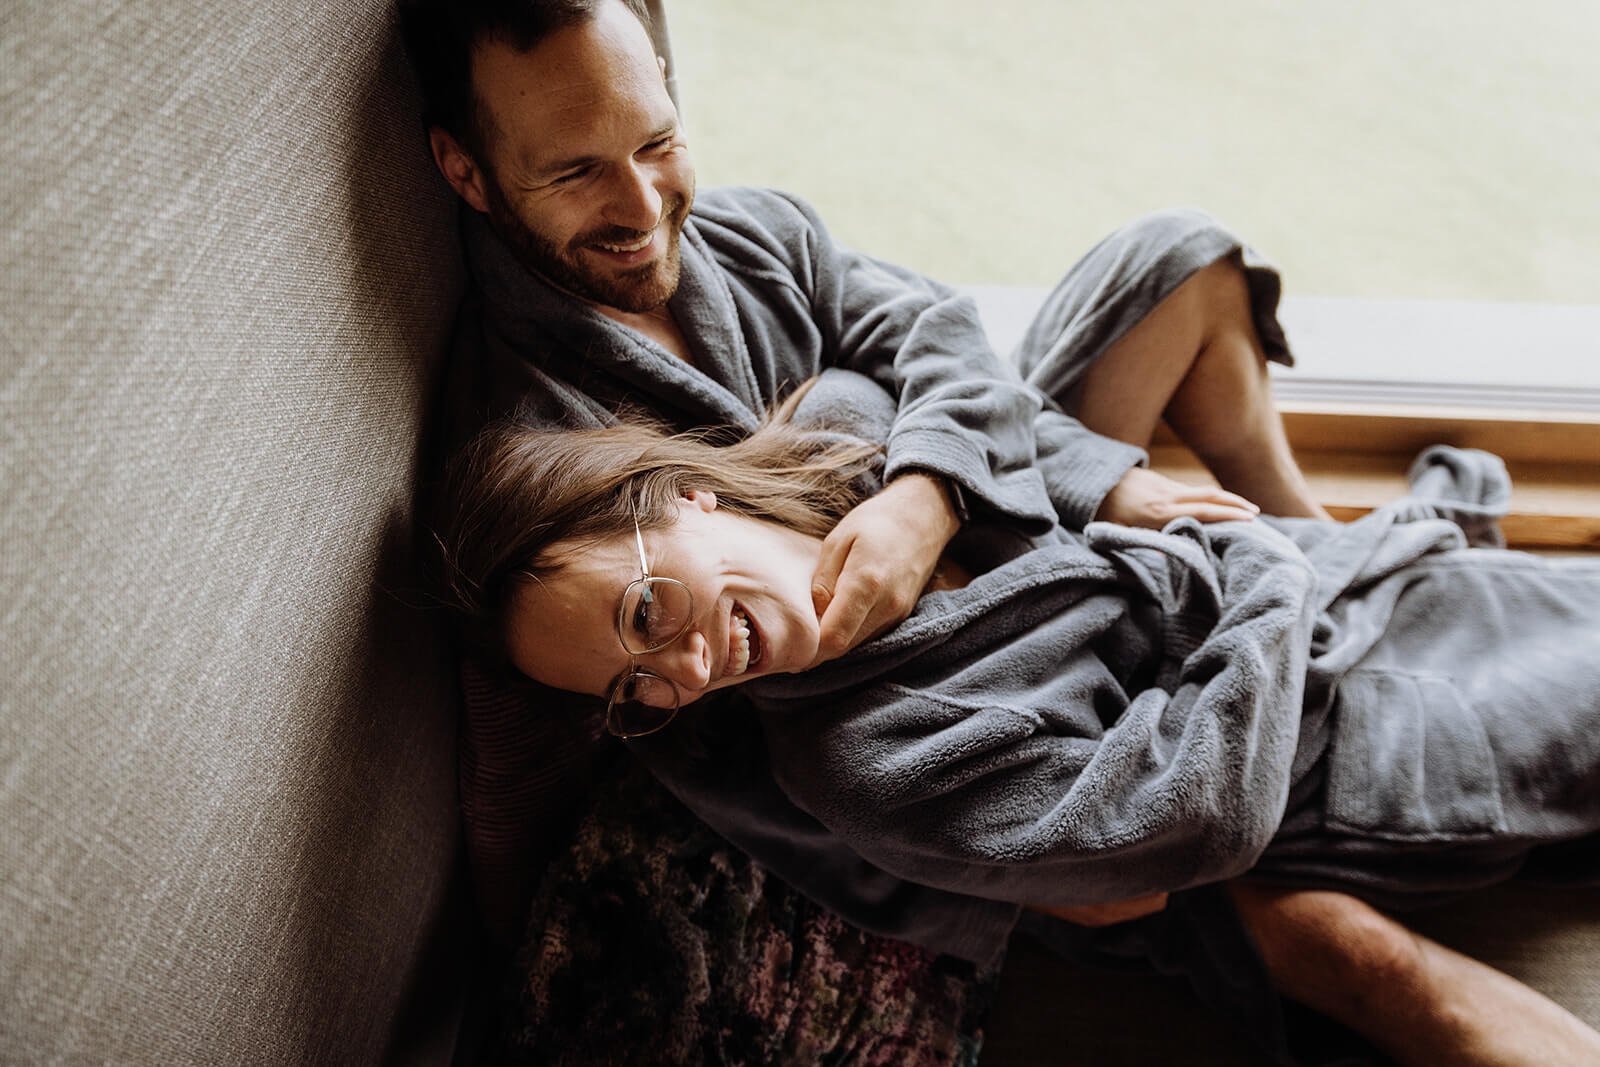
586	82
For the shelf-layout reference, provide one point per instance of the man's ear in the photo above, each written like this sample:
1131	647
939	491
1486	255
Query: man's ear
459	168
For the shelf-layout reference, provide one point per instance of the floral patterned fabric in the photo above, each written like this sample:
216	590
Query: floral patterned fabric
653	941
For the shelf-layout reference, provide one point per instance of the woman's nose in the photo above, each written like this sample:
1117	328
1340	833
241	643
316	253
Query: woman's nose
686	663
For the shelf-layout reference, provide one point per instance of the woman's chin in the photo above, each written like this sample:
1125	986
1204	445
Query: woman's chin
802	654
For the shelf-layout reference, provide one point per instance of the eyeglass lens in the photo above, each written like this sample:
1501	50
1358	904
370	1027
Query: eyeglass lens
641	704
655	611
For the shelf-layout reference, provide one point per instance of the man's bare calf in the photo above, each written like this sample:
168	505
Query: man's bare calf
1197	362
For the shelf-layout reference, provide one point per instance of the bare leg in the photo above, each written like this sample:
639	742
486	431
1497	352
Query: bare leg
1197	362
1419	1001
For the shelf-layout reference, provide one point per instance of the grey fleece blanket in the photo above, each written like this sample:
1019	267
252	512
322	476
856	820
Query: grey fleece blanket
1375	706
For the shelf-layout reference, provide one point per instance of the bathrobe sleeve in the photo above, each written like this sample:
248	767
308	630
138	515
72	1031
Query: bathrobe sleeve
988	747
963	412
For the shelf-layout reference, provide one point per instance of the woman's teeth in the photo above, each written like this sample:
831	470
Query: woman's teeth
740	639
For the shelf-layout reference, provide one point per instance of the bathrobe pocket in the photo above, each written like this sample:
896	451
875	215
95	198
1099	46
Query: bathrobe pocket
1410	760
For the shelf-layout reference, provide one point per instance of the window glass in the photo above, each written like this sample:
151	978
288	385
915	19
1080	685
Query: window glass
1373	148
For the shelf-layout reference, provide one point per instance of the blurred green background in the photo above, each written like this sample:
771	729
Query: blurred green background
1373	148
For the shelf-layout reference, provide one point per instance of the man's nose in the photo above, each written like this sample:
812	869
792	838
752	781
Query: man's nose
634	203
686	663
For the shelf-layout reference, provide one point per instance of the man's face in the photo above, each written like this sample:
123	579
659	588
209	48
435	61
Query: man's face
587	176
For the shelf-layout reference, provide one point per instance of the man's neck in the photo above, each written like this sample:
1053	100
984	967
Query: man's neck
658	325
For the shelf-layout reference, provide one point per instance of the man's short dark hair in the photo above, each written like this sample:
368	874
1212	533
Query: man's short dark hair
441	34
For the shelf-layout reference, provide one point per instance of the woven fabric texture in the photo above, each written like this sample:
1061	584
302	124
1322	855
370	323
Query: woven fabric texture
228	830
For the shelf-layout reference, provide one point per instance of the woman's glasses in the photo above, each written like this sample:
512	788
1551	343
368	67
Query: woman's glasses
654	613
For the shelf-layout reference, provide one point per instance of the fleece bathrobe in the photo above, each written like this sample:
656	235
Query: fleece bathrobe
767	300
1373	707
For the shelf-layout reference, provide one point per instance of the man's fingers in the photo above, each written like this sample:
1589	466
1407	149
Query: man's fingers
1209	503
876	561
844	618
841	608
865	605
825	580
1215	495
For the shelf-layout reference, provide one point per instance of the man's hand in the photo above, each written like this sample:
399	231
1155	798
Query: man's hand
1145	498
1118	911
876	562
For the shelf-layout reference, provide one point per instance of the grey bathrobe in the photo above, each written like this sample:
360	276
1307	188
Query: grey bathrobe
767	300
1374	707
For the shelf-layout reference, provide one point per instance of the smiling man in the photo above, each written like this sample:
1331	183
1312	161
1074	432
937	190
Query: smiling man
596	202
601	281
553	123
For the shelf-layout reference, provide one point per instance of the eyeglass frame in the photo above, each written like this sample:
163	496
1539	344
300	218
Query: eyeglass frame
634	670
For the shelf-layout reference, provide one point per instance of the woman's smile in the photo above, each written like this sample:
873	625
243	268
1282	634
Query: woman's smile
751	587
744	643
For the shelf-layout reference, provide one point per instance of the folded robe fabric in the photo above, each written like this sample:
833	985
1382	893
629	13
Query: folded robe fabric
1374	707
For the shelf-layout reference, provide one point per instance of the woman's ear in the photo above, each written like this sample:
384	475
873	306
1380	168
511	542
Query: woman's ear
704	499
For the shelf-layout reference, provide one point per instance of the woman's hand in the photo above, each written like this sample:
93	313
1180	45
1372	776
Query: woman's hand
1145	498
1119	911
876	562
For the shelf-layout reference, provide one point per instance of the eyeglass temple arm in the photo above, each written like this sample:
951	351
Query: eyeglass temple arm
644	565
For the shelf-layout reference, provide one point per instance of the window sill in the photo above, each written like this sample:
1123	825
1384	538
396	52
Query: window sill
1356	455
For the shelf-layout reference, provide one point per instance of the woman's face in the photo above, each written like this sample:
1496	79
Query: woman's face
751	583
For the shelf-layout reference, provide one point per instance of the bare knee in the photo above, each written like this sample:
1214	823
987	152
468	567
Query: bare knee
1225	284
1216	300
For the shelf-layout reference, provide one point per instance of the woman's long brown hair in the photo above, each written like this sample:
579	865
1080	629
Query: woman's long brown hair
519	499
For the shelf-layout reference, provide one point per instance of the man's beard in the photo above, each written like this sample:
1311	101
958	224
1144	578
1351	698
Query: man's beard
640	289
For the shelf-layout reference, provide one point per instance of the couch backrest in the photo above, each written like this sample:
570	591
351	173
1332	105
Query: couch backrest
228	830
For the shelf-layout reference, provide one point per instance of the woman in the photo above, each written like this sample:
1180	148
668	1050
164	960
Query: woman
1065	720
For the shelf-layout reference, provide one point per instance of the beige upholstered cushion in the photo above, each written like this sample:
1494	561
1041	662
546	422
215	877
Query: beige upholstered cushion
227	820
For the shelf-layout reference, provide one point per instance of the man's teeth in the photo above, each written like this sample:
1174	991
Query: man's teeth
738	644
635	247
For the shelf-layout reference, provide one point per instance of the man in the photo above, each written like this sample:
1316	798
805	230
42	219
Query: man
601	218
600	281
